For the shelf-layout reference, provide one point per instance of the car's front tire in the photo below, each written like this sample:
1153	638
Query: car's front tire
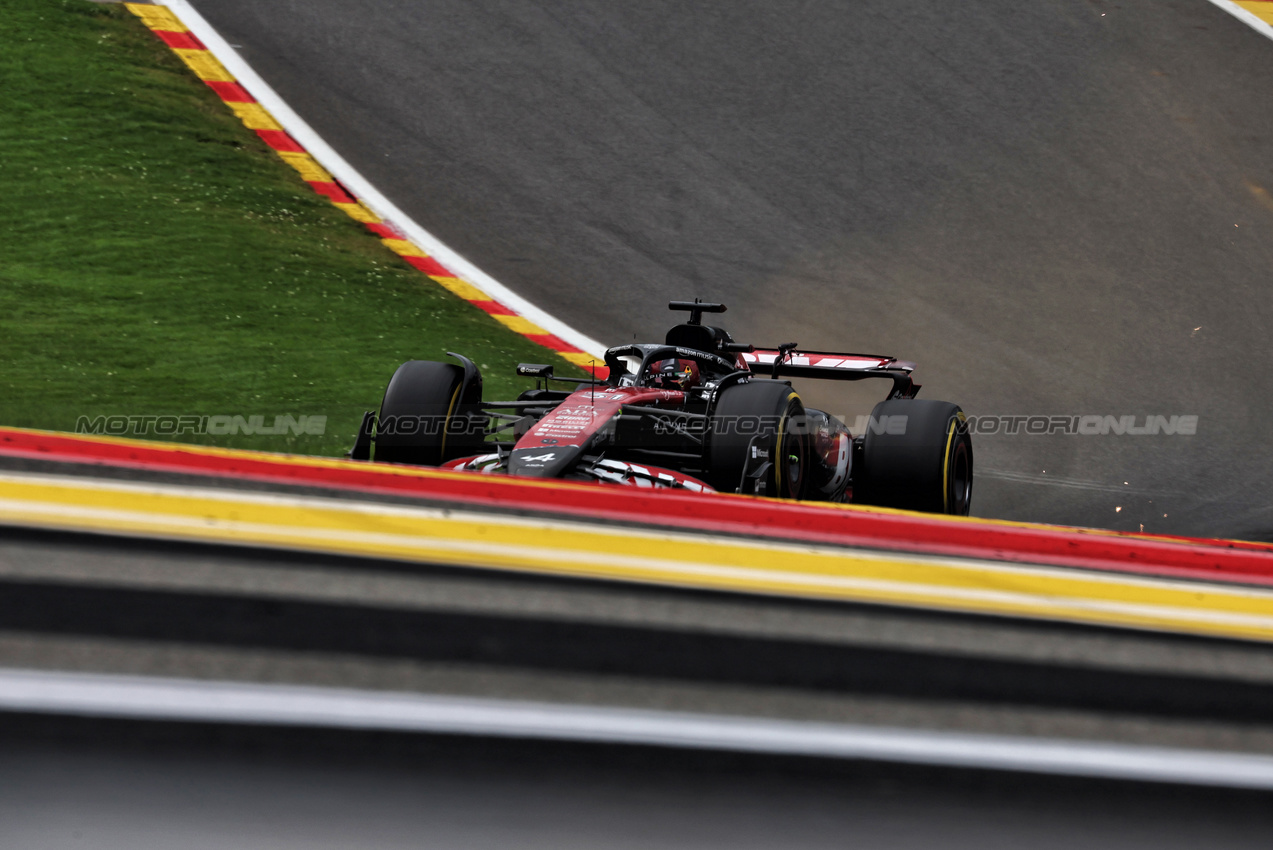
765	416
422	420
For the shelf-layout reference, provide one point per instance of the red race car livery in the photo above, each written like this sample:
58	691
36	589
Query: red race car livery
698	411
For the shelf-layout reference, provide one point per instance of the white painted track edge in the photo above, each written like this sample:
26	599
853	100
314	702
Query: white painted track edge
1245	16
190	700
362	188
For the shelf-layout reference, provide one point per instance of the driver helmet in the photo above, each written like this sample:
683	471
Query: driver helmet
676	374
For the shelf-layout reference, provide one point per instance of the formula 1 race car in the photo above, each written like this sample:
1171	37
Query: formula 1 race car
697	412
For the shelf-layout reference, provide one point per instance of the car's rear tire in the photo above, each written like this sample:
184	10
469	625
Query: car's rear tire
770	414
925	465
422	420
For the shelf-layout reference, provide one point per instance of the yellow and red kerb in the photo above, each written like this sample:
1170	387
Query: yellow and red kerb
163	23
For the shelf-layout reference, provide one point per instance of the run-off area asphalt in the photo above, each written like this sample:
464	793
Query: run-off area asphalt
96	605
1056	208
116	785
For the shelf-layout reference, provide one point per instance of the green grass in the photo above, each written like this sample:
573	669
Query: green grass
157	258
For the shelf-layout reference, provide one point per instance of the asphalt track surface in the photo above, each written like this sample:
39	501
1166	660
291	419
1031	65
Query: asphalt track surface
158	787
1056	208
93	604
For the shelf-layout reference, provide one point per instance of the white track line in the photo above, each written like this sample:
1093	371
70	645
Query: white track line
362	188
1246	17
190	700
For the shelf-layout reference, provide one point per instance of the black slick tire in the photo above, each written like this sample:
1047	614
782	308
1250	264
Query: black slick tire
420	418
922	462
766	416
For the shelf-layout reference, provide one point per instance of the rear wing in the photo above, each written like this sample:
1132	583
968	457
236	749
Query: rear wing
826	365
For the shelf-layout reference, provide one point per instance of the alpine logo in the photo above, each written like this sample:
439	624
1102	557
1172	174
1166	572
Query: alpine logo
539	458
